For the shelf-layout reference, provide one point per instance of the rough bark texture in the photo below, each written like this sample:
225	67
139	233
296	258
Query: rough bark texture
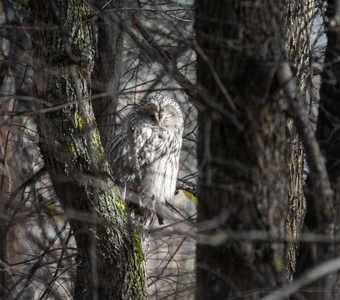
297	204
300	16
110	255
243	172
299	20
297	207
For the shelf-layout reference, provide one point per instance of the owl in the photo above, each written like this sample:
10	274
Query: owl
144	156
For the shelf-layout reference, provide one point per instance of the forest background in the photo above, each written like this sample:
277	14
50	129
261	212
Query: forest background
257	213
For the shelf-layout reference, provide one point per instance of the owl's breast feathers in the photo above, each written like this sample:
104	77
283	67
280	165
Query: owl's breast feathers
157	151
149	155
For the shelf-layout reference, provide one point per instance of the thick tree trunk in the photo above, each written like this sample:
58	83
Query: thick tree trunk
299	17
111	260
107	72
244	172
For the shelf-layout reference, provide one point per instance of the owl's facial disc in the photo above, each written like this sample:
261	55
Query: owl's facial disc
162	117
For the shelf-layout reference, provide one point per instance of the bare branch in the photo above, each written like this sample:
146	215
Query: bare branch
185	185
310	276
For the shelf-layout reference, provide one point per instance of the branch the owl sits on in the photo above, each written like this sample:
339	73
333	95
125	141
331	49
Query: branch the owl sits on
144	156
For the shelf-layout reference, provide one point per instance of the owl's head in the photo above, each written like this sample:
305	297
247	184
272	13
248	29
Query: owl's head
162	112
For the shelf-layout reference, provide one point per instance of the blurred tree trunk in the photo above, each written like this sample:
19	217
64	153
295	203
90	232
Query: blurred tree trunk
329	138
111	260
11	174
107	71
243	171
299	17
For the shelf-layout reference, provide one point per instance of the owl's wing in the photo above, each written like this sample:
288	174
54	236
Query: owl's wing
120	157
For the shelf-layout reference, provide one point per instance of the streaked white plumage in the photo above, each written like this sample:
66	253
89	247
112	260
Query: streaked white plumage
145	154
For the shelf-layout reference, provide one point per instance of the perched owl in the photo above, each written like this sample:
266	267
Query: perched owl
144	156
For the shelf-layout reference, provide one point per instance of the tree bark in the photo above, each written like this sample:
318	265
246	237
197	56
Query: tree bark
299	18
243	171
111	260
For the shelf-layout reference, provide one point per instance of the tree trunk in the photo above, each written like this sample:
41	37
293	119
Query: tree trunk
107	72
243	171
111	260
299	17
